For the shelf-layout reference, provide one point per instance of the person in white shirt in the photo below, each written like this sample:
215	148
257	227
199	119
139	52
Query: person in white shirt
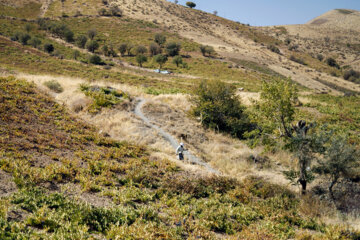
180	151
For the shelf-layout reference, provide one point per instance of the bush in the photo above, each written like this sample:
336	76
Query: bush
173	49
141	50
35	42
218	107
81	41
109	51
154	49
48	47
190	4
92	33
160	39
69	36
178	60
320	57
95	59
351	75
274	49
76	54
207	50
160	59
24	38
332	63
298	60
140	59
54	86
92	46
122	48
116	11
102	12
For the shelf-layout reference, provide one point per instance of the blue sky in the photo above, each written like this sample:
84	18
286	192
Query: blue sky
272	12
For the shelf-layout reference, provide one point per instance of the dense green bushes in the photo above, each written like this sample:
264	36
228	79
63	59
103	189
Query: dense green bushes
219	108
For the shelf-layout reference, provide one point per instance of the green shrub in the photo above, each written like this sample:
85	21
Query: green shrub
178	60
274	49
190	4
173	49
160	59
207	50
96	59
160	39
69	36
141	50
122	48
81	41
92	33
35	42
54	86
332	62
154	49
92	45
140	59
48	47
219	108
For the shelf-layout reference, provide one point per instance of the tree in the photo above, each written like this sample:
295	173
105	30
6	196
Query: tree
190	4
215	13
332	63
122	48
275	111
207	50
92	33
306	146
340	161
129	47
95	59
178	60
141	50
116	11
24	38
92	46
161	60
35	42
160	39
176	1
48	47
219	108
173	49
140	59
81	41
76	54
69	36
154	49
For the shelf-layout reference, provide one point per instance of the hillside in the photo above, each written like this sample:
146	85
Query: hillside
88	131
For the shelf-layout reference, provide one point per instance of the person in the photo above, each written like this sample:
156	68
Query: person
180	151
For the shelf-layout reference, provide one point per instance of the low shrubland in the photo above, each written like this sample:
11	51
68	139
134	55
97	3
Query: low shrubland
141	193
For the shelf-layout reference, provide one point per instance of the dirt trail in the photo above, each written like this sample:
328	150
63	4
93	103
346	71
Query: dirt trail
192	158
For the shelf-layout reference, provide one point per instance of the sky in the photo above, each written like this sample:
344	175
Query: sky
272	12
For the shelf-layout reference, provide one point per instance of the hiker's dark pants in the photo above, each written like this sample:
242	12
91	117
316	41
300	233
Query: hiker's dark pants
181	156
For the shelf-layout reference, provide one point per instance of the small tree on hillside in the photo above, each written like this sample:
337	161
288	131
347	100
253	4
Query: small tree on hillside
140	59
92	46
161	60
207	50
332	63
81	41
275	111
173	49
24	38
178	60
48	47
35	42
122	49
190	4
340	161
160	39
92	33
141	50
129	49
219	108
69	36
116	11
154	49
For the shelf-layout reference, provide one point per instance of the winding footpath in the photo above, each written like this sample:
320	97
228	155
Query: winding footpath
192	158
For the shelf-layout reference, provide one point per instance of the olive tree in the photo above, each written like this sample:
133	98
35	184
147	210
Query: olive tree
160	39
123	48
190	4
140	59
178	60
161	60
